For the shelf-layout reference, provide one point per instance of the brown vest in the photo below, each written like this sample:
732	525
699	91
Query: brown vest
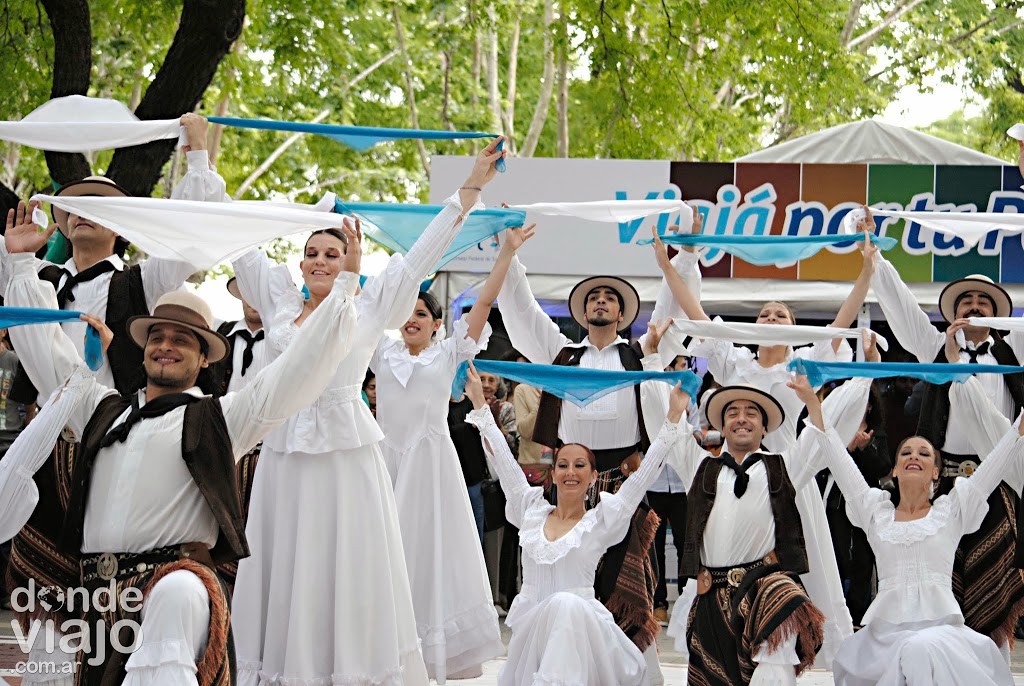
700	498
549	411
206	450
934	416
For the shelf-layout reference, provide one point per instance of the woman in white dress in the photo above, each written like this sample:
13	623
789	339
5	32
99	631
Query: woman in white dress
451	594
766	369
324	598
914	631
561	634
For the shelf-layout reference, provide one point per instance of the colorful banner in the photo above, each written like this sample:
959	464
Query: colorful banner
753	199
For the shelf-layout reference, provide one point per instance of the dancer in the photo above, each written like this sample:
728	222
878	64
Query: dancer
987	574
752	622
767	370
451	594
325	597
152	498
561	633
914	630
616	426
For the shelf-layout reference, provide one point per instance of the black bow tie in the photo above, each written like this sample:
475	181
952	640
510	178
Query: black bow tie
65	296
973	354
742	479
155	408
250	341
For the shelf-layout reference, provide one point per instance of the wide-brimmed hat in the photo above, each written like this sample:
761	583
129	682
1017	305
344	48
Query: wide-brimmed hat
720	399
185	309
89	186
974	282
630	299
232	286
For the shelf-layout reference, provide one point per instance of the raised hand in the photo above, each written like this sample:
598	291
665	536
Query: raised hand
475	389
861	440
483	167
802	387
354	250
106	335
869	340
655	332
195	131
952	347
515	237
22	234
678	401
660	251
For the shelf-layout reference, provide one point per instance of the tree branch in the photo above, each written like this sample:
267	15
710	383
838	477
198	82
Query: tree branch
509	114
547	86
72	64
868	37
851	22
410	91
205	34
293	138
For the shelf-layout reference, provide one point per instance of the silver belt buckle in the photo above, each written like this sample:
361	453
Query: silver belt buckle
106	566
735	576
966	468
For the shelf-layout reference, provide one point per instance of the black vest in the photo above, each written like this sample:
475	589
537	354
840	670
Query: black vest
206	450
126	298
789	533
935	405
220	372
549	411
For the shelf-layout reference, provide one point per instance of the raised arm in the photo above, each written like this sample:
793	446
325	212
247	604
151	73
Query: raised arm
850	308
263	283
519	495
685	264
530	330
909	322
680	290
304	370
1006	460
476	319
636	485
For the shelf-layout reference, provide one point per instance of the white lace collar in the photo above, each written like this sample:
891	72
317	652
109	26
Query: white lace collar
545	552
915	530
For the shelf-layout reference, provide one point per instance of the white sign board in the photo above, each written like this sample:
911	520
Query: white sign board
564	245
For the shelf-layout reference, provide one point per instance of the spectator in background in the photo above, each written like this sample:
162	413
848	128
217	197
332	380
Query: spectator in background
870	451
12	413
471	456
667	497
503	411
370	391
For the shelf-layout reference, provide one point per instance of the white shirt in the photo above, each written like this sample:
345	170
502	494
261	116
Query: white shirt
741	530
201	182
915	332
142	495
611	421
238	380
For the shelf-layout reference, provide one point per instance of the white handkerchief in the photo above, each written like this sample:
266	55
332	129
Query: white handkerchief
613	210
76	123
765	334
970	227
201	233
999	323
1016	131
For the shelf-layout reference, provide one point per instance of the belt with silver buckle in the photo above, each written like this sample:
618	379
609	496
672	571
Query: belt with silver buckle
955	468
106	566
720	577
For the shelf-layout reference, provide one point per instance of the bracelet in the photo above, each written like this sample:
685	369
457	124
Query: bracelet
470	188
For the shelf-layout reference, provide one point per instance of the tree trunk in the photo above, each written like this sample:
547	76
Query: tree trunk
72	64
410	90
547	86
563	89
509	114
205	34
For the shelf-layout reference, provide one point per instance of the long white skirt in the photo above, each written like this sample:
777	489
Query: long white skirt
451	594
568	640
324	598
920	654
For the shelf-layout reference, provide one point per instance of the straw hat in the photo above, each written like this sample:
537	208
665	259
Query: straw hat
720	399
89	186
628	295
185	309
1003	306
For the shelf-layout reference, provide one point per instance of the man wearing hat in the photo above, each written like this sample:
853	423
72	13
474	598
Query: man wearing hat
986	577
752	621
613	426
152	499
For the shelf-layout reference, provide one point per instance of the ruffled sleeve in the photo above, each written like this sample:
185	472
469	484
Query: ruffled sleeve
1004	463
461	346
268	287
519	495
723	357
822	351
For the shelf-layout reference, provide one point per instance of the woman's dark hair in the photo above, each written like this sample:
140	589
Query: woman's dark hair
431	303
370	376
512	355
330	232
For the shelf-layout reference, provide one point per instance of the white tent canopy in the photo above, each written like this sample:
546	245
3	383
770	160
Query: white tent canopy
870	142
